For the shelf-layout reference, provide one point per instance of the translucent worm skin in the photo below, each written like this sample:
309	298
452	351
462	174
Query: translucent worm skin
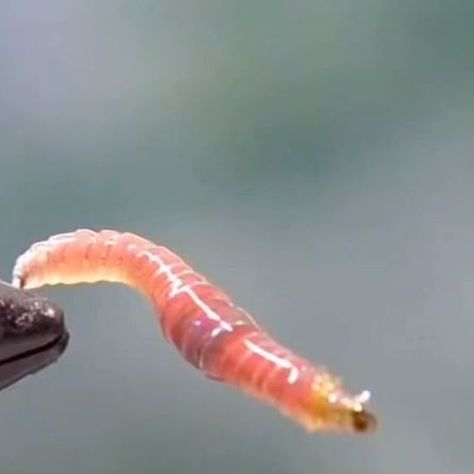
213	334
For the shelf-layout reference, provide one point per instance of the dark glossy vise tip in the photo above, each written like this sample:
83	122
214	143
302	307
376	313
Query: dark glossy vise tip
45	312
33	333
28	321
24	310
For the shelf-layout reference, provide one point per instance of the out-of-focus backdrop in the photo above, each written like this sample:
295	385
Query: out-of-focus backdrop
313	158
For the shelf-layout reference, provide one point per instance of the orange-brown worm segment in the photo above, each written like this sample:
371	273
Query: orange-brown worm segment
210	331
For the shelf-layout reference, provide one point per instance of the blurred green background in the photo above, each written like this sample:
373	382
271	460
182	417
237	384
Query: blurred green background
314	158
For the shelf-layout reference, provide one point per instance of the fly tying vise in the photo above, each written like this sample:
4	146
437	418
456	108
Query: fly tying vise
201	321
32	333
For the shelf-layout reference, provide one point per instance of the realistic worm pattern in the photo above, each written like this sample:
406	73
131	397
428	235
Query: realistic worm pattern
208	329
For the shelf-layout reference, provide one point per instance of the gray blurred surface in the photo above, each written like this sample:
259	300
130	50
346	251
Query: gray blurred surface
314	158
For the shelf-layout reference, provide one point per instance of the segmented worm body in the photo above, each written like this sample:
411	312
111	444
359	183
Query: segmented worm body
202	322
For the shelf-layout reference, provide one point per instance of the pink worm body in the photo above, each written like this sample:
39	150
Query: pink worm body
213	334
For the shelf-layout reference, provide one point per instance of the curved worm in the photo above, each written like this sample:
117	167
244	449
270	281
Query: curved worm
210	331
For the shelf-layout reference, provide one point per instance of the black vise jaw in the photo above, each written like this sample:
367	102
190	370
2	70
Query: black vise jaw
33	333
